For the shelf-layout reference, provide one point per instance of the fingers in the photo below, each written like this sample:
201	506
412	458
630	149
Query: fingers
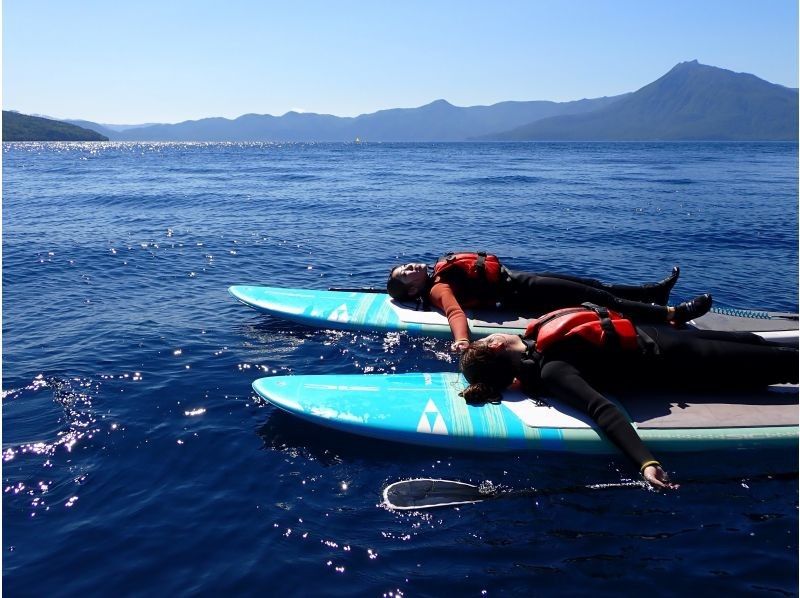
654	481
459	346
658	478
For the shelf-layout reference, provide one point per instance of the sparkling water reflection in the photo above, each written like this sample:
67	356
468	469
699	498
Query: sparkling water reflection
136	459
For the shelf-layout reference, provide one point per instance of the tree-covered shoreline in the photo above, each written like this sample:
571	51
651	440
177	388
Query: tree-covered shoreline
21	127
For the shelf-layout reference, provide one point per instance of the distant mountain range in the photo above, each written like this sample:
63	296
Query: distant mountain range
21	127
691	102
438	121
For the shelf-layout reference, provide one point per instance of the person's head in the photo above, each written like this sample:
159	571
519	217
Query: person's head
489	369
407	282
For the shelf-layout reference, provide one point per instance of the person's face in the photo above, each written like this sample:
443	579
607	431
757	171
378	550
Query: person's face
499	341
413	276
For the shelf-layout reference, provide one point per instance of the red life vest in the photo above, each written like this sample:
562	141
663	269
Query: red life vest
475	277
598	325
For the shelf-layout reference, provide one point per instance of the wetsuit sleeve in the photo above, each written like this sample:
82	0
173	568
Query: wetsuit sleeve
565	382
442	296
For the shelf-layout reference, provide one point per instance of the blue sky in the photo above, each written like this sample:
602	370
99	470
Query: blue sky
174	60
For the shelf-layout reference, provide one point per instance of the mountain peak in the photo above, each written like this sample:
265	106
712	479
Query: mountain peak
692	101
687	66
438	104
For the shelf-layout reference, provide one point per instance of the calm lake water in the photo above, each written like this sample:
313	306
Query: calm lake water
137	460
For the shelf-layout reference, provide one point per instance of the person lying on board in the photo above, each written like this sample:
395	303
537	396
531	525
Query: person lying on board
472	280
571	353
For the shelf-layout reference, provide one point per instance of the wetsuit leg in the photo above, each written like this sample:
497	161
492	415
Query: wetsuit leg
737	337
564	381
544	293
645	293
717	359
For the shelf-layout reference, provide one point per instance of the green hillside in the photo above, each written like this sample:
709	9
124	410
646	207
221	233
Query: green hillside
20	127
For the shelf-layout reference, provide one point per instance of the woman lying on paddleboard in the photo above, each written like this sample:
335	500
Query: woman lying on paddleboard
569	353
472	280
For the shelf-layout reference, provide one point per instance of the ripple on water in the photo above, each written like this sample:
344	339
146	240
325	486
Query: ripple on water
129	411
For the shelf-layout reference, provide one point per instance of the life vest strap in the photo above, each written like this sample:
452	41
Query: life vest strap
646	343
480	264
611	335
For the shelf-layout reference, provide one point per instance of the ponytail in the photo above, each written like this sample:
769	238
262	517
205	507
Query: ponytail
479	394
489	372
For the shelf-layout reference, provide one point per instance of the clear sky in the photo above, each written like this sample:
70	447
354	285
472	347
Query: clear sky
137	61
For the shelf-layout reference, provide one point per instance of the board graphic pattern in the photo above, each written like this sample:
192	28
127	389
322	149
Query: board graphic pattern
425	409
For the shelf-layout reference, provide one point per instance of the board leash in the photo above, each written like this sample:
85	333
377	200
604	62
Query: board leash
753	314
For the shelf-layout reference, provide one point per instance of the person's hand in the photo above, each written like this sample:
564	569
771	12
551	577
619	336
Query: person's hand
658	478
459	346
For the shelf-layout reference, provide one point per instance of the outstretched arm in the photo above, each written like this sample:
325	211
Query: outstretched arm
565	382
442	296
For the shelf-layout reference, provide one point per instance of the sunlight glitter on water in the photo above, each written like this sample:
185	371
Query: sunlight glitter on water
72	309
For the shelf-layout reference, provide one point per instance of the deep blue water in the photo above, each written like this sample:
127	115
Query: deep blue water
137	461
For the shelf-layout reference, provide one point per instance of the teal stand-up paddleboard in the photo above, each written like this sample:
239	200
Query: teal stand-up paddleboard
425	409
352	310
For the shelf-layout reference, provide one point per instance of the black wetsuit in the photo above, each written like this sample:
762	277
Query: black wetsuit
546	291
686	359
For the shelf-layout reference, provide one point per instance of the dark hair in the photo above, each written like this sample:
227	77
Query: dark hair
488	372
396	288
